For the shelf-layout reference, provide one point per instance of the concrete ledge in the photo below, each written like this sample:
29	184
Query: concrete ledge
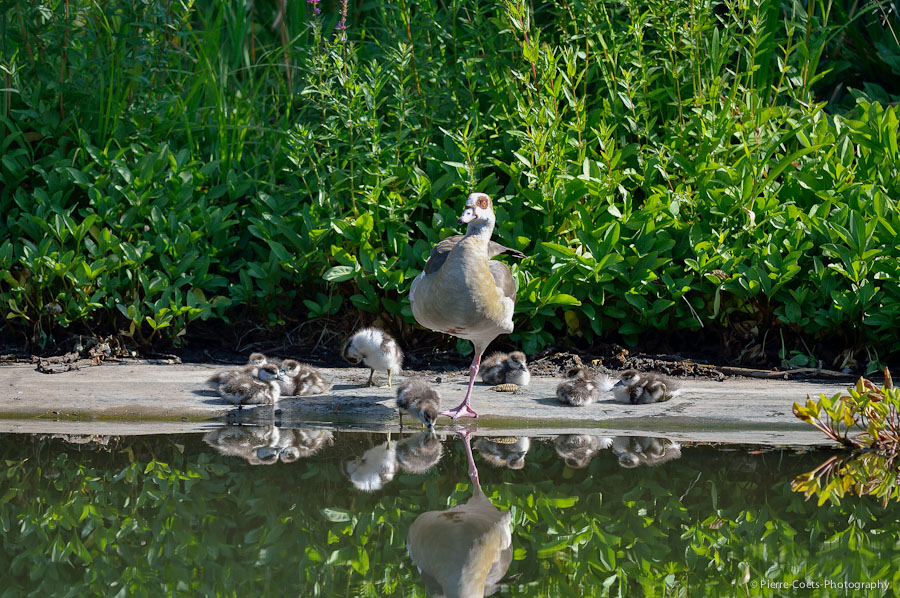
136	398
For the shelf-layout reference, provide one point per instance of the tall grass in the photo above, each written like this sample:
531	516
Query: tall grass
666	166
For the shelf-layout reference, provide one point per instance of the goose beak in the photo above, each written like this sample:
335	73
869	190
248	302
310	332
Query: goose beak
468	215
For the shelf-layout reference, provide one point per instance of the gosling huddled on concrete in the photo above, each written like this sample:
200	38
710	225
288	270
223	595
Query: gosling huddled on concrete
582	388
502	368
377	350
263	381
641	388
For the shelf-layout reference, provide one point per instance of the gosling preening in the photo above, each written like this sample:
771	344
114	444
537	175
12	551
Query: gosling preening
581	388
377	350
244	389
642	388
299	379
500	368
419	400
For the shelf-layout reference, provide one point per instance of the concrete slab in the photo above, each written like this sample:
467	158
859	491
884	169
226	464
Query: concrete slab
135	398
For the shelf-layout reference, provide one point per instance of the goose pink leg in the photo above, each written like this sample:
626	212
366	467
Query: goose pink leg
463	409
473	470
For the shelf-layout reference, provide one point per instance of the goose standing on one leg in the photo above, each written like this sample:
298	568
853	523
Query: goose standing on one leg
462	292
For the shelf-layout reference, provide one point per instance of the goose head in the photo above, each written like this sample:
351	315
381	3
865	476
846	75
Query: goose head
630	377
269	372
290	368
479	213
577	373
256	359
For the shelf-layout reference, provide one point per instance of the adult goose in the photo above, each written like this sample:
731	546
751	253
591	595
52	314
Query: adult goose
462	292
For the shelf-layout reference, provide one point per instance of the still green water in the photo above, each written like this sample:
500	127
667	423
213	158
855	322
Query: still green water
258	511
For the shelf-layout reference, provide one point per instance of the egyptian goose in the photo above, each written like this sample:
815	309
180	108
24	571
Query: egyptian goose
417	454
577	450
462	292
244	389
298	379
419	400
581	388
633	451
649	387
500	368
464	551
376	349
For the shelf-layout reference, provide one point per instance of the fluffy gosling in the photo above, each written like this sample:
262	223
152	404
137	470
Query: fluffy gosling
377	350
244	389
419	400
299	379
500	368
642	388
581	388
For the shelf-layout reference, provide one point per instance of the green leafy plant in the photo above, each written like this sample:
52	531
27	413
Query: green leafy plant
872	468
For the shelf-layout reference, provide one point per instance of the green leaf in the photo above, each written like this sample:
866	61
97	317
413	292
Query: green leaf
340	274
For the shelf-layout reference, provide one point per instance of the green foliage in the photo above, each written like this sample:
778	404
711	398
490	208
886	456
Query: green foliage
872	467
161	516
664	165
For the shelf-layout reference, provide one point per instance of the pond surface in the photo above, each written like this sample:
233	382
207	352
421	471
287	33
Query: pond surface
252	511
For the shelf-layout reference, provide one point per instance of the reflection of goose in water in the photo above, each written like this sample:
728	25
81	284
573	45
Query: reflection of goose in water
419	453
265	445
577	450
375	468
633	451
504	451
464	551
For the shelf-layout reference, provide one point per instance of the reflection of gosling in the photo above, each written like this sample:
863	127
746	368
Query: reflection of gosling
419	400
377	350
247	390
643	388
375	468
417	454
579	388
291	444
298	379
577	450
501	368
633	451
504	452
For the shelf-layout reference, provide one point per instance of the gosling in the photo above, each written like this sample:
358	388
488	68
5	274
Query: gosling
644	388
580	388
419	400
251	368
500	368
377	350
299	379
244	389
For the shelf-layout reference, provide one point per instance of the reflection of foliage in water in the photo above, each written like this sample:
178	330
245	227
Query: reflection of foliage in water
161	516
873	468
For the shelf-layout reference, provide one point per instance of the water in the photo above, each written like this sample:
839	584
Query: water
250	511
